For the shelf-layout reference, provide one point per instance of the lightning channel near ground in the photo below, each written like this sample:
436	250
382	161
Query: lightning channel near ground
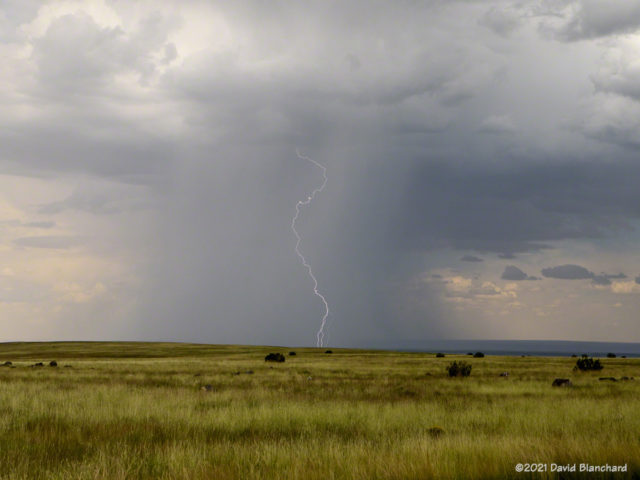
320	335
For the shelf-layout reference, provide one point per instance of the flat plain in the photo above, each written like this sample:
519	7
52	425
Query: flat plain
112	410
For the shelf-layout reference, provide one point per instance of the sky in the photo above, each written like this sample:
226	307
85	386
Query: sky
482	164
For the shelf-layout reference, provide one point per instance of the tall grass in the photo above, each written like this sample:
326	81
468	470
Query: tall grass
347	415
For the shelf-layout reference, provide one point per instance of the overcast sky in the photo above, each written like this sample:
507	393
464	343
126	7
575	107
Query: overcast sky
482	163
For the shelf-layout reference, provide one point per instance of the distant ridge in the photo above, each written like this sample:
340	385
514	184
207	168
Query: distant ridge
519	347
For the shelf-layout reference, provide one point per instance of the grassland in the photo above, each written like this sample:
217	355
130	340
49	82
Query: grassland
136	410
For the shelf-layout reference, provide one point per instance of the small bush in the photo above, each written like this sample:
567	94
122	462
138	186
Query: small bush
435	432
478	355
470	353
586	364
291	354
562	382
274	357
329	351
611	355
53	363
439	355
459	369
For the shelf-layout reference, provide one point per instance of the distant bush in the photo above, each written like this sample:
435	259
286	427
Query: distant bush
436	432
53	363
562	382
439	355
274	357
470	353
459	369
291	354
585	364
611	355
478	355
574	356
584	355
329	351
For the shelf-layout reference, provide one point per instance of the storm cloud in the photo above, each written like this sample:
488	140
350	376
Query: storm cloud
567	272
577	272
158	146
512	272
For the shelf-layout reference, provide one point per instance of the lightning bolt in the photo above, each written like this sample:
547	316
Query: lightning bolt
303	203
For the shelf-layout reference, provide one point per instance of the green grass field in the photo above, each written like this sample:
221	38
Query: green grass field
136	410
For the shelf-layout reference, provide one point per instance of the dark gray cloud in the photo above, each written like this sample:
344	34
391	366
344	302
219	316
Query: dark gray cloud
567	272
471	258
515	210
577	272
592	19
512	272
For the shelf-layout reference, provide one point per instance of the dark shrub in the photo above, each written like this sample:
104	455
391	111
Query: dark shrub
562	382
53	363
439	355
585	364
7	363
574	356
274	357
435	432
611	355
478	355
470	353
584	355
459	369
39	364
329	351
291	354
624	356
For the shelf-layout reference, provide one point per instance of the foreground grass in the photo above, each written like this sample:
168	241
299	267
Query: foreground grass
137	411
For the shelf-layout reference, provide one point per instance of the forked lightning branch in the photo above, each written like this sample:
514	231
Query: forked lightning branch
301	203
